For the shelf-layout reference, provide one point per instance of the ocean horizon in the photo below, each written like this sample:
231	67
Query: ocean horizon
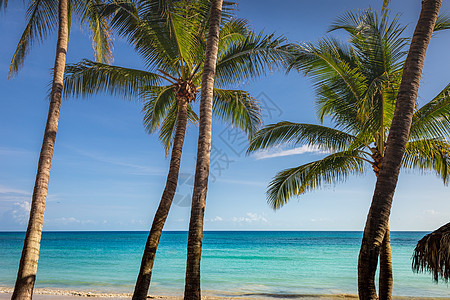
233	262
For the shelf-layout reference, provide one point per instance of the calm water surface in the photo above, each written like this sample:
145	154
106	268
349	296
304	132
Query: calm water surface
233	262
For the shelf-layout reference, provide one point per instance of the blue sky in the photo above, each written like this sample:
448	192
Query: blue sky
108	174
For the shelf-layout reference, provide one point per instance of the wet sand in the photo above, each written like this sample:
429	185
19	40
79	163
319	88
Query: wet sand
53	294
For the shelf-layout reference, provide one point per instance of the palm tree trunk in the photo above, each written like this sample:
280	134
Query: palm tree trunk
386	275
145	273
194	248
26	274
378	217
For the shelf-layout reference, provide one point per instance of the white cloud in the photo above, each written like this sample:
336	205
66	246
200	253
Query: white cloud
7	190
70	220
249	218
278	152
20	212
216	219
137	222
16	217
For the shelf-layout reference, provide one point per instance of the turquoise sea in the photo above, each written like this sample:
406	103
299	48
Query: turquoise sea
238	263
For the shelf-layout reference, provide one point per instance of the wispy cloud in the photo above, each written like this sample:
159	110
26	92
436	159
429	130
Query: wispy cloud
9	151
8	190
70	221
136	169
216	219
250	218
8	195
278	152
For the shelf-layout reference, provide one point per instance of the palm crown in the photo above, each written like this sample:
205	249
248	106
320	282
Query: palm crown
356	85
171	39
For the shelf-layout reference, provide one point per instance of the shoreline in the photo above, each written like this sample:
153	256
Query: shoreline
62	294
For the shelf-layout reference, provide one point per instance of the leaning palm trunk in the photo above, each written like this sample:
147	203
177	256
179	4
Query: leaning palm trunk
386	280
145	273
194	248
378	217
386	275
26	275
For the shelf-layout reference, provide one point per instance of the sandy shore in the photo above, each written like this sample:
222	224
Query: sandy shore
53	294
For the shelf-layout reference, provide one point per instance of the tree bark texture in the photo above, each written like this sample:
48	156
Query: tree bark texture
148	258
26	274
194	248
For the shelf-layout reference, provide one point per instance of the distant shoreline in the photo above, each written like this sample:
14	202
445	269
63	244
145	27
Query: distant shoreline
61	294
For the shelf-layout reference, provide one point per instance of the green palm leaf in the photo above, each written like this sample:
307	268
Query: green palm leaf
158	102
250	58
340	85
296	181
232	32
296	133
99	30
42	17
433	119
430	154
89	78
442	22
151	36
238	108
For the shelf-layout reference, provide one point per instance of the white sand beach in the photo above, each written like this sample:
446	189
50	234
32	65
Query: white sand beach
58	294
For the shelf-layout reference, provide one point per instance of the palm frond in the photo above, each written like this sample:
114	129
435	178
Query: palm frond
158	102
151	36
433	119
432	254
91	14
296	181
338	81
296	133
42	18
429	154
232	32
89	78
442	22
250	58
237	108
377	38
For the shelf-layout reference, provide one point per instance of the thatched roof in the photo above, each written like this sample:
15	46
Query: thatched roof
432	254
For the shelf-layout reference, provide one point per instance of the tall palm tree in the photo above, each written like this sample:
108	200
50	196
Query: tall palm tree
43	16
397	149
192	290
171	39
357	86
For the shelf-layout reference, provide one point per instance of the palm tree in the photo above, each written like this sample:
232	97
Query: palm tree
43	15
192	290
397	149
172	44
357	86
